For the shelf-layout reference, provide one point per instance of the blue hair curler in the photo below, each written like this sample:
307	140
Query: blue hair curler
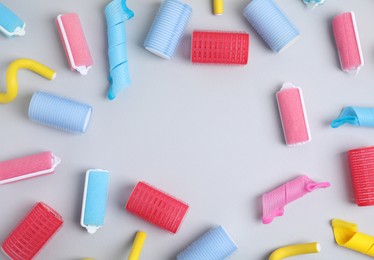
271	24
358	116
214	244
116	13
59	112
167	28
313	3
10	23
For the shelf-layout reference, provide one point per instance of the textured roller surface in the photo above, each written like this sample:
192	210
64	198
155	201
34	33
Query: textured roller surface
220	47
28	238
214	244
157	207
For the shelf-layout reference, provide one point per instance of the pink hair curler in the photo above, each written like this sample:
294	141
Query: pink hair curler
347	42
32	233
293	115
157	207
273	202
74	41
28	167
220	47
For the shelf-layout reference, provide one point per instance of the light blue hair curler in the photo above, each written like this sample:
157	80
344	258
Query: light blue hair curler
167	28
116	13
59	112
313	3
214	244
358	116
10	23
271	24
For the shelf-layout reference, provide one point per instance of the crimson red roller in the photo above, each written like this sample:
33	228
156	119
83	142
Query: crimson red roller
361	162
26	240
157	207
220	47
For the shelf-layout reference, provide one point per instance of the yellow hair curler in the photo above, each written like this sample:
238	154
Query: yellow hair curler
217	7
137	245
346	235
297	249
11	76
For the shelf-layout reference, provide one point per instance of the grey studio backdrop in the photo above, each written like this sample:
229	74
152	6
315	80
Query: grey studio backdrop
209	135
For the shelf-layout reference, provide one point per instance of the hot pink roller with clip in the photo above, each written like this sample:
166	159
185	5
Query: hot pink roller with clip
347	42
293	115
273	202
74	41
28	167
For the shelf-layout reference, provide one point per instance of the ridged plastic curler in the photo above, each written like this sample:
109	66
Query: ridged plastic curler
220	47
28	167
167	28
214	244
11	76
348	42
32	234
10	23
358	116
313	3
293	115
218	7
346	234
296	249
157	207
74	42
273	202
274	27
137	245
361	162
117	13
59	112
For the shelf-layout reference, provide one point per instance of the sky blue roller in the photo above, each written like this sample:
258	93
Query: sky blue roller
59	112
167	28
116	13
271	24
10	23
313	3
94	199
358	116
216	244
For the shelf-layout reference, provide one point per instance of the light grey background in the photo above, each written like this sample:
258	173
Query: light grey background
209	135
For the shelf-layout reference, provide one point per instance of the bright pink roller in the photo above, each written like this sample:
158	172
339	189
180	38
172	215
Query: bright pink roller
347	42
74	41
28	167
293	115
273	202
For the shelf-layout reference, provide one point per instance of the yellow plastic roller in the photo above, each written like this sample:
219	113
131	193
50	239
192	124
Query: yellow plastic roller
137	245
292	250
11	76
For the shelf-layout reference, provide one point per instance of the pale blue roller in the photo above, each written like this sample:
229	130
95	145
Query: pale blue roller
10	23
167	28
358	116
59	112
117	13
313	3
216	244
271	24
95	199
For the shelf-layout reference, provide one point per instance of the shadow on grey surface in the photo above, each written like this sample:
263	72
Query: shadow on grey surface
185	47
347	178
123	195
154	7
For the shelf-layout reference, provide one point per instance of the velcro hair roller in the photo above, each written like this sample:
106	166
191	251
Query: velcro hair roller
358	116
346	234
117	13
10	23
296	249
214	244
293	115
361	162
59	112
167	28
274	27
74	42
273	202
313	3
220	47
157	207
29	237
28	167
347	42
95	198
